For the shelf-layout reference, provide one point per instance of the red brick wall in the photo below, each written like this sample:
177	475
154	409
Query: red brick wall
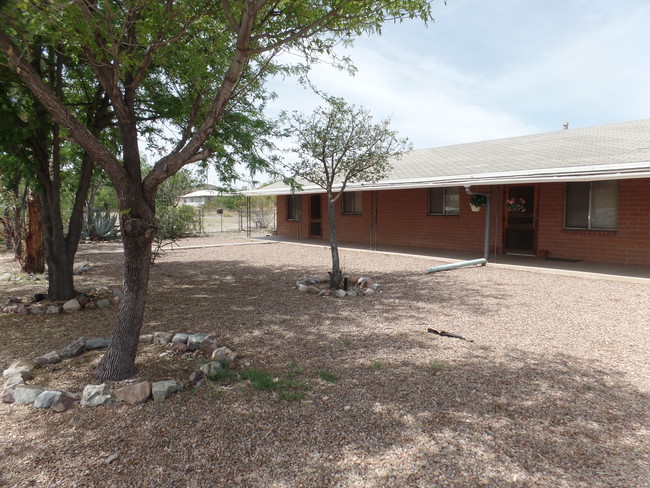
291	228
629	243
402	220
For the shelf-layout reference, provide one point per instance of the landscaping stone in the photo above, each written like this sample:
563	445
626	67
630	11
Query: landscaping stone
145	339
180	337
52	309
27	393
160	389
224	355
94	395
103	303
211	368
51	357
195	340
163	338
354	287
8	395
209	345
83	301
21	309
36	309
25	373
12	381
82	269
65	401
134	394
75	348
16	391
24	364
369	292
180	347
46	399
97	343
72	306
197	378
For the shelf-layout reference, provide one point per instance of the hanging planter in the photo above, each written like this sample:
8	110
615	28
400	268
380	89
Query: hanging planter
476	202
516	205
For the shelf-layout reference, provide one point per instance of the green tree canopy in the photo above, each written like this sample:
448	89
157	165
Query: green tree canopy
189	64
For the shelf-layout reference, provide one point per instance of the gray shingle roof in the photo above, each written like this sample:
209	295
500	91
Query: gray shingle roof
611	151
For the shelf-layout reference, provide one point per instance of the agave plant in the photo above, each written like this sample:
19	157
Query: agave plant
103	227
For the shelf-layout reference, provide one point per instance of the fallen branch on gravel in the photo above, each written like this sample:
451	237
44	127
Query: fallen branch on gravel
448	334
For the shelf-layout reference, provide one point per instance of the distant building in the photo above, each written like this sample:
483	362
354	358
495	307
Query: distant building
198	198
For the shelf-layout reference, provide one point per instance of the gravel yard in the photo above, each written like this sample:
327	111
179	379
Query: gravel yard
553	392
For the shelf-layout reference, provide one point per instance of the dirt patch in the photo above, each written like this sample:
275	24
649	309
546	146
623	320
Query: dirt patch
554	390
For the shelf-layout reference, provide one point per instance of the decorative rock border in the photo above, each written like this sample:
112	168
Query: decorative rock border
16	390
92	298
352	287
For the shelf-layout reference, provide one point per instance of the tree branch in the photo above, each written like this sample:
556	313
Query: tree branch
60	113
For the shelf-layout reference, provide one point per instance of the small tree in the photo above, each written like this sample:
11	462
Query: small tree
337	145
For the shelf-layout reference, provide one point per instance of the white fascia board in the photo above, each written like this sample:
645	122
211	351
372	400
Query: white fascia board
617	171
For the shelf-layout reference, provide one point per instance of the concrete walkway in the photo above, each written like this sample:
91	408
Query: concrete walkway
567	267
583	268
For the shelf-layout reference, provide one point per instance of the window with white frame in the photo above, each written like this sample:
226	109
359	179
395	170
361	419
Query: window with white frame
293	207
591	205
352	203
444	201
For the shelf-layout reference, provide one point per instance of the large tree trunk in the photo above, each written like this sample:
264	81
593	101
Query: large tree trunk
336	275
60	273
119	361
34	244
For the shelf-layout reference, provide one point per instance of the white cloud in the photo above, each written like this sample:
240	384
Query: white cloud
487	70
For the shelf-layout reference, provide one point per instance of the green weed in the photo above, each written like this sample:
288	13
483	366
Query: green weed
326	376
259	379
291	395
436	365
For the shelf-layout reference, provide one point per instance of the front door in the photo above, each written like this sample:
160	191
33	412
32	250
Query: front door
315	217
520	220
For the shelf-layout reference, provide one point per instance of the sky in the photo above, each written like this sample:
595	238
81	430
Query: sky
493	69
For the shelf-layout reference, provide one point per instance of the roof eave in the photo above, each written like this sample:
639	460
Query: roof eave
551	175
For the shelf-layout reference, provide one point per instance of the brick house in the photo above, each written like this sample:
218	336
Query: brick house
579	194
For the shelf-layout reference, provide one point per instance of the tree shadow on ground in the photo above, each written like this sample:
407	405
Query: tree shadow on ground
522	422
493	417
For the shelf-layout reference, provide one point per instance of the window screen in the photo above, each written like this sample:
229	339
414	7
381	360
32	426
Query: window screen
352	203
591	205
444	201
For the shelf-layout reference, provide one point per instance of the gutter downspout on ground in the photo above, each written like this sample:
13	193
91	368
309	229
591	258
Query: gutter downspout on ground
486	241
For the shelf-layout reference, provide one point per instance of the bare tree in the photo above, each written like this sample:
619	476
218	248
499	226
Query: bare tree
337	145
